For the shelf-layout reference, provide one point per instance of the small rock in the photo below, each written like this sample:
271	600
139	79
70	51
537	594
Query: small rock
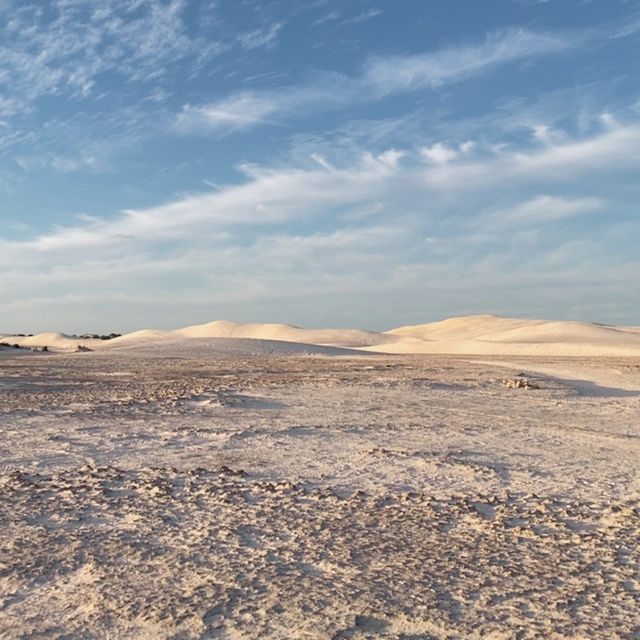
519	383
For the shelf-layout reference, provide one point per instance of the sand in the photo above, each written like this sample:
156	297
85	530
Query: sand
481	335
245	485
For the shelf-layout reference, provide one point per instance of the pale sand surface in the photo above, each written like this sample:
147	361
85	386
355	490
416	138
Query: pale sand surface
197	486
482	335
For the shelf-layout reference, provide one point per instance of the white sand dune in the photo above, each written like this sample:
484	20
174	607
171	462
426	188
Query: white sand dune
463	328
353	338
471	335
224	336
493	335
514	330
53	340
172	485
251	339
170	343
142	336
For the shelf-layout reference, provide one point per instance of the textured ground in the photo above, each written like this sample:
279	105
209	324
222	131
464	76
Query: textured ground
210	495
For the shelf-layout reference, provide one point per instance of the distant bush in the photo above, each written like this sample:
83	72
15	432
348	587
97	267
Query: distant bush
8	344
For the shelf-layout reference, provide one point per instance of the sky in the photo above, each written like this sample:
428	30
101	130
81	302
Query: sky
363	164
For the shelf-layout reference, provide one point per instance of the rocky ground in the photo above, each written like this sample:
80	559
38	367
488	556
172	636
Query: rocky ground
231	496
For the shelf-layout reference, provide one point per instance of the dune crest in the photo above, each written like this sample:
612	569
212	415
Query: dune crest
494	335
351	338
473	335
52	340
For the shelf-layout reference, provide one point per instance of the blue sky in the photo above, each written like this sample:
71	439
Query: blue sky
365	164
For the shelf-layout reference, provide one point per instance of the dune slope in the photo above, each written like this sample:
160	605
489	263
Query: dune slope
472	335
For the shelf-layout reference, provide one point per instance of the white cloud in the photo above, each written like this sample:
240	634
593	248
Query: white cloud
432	70
85	141
66	54
391	157
380	77
611	149
548	136
439	153
329	17
609	121
541	210
262	37
614	150
507	200
246	109
238	112
270	197
630	28
361	17
273	197
467	147
374	227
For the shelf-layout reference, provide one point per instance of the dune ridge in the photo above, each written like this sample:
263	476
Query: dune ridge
473	335
494	335
352	338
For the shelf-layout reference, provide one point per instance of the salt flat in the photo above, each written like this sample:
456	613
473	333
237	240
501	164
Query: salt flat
207	486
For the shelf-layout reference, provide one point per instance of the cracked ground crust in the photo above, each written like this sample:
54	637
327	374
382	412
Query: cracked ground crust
426	515
104	552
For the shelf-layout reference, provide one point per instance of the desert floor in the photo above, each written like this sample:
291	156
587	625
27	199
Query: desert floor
212	494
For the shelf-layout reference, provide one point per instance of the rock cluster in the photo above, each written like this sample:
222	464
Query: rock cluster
519	383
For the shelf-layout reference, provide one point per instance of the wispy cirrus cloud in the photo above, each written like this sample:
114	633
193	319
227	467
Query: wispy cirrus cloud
237	112
83	83
261	37
250	108
99	69
629	28
65	49
383	177
380	77
394	74
361	17
87	141
272	197
286	231
542	209
328	17
614	150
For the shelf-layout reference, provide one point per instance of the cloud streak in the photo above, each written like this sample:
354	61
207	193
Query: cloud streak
419	178
539	211
285	232
612	151
269	198
262	37
380	77
395	74
273	197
